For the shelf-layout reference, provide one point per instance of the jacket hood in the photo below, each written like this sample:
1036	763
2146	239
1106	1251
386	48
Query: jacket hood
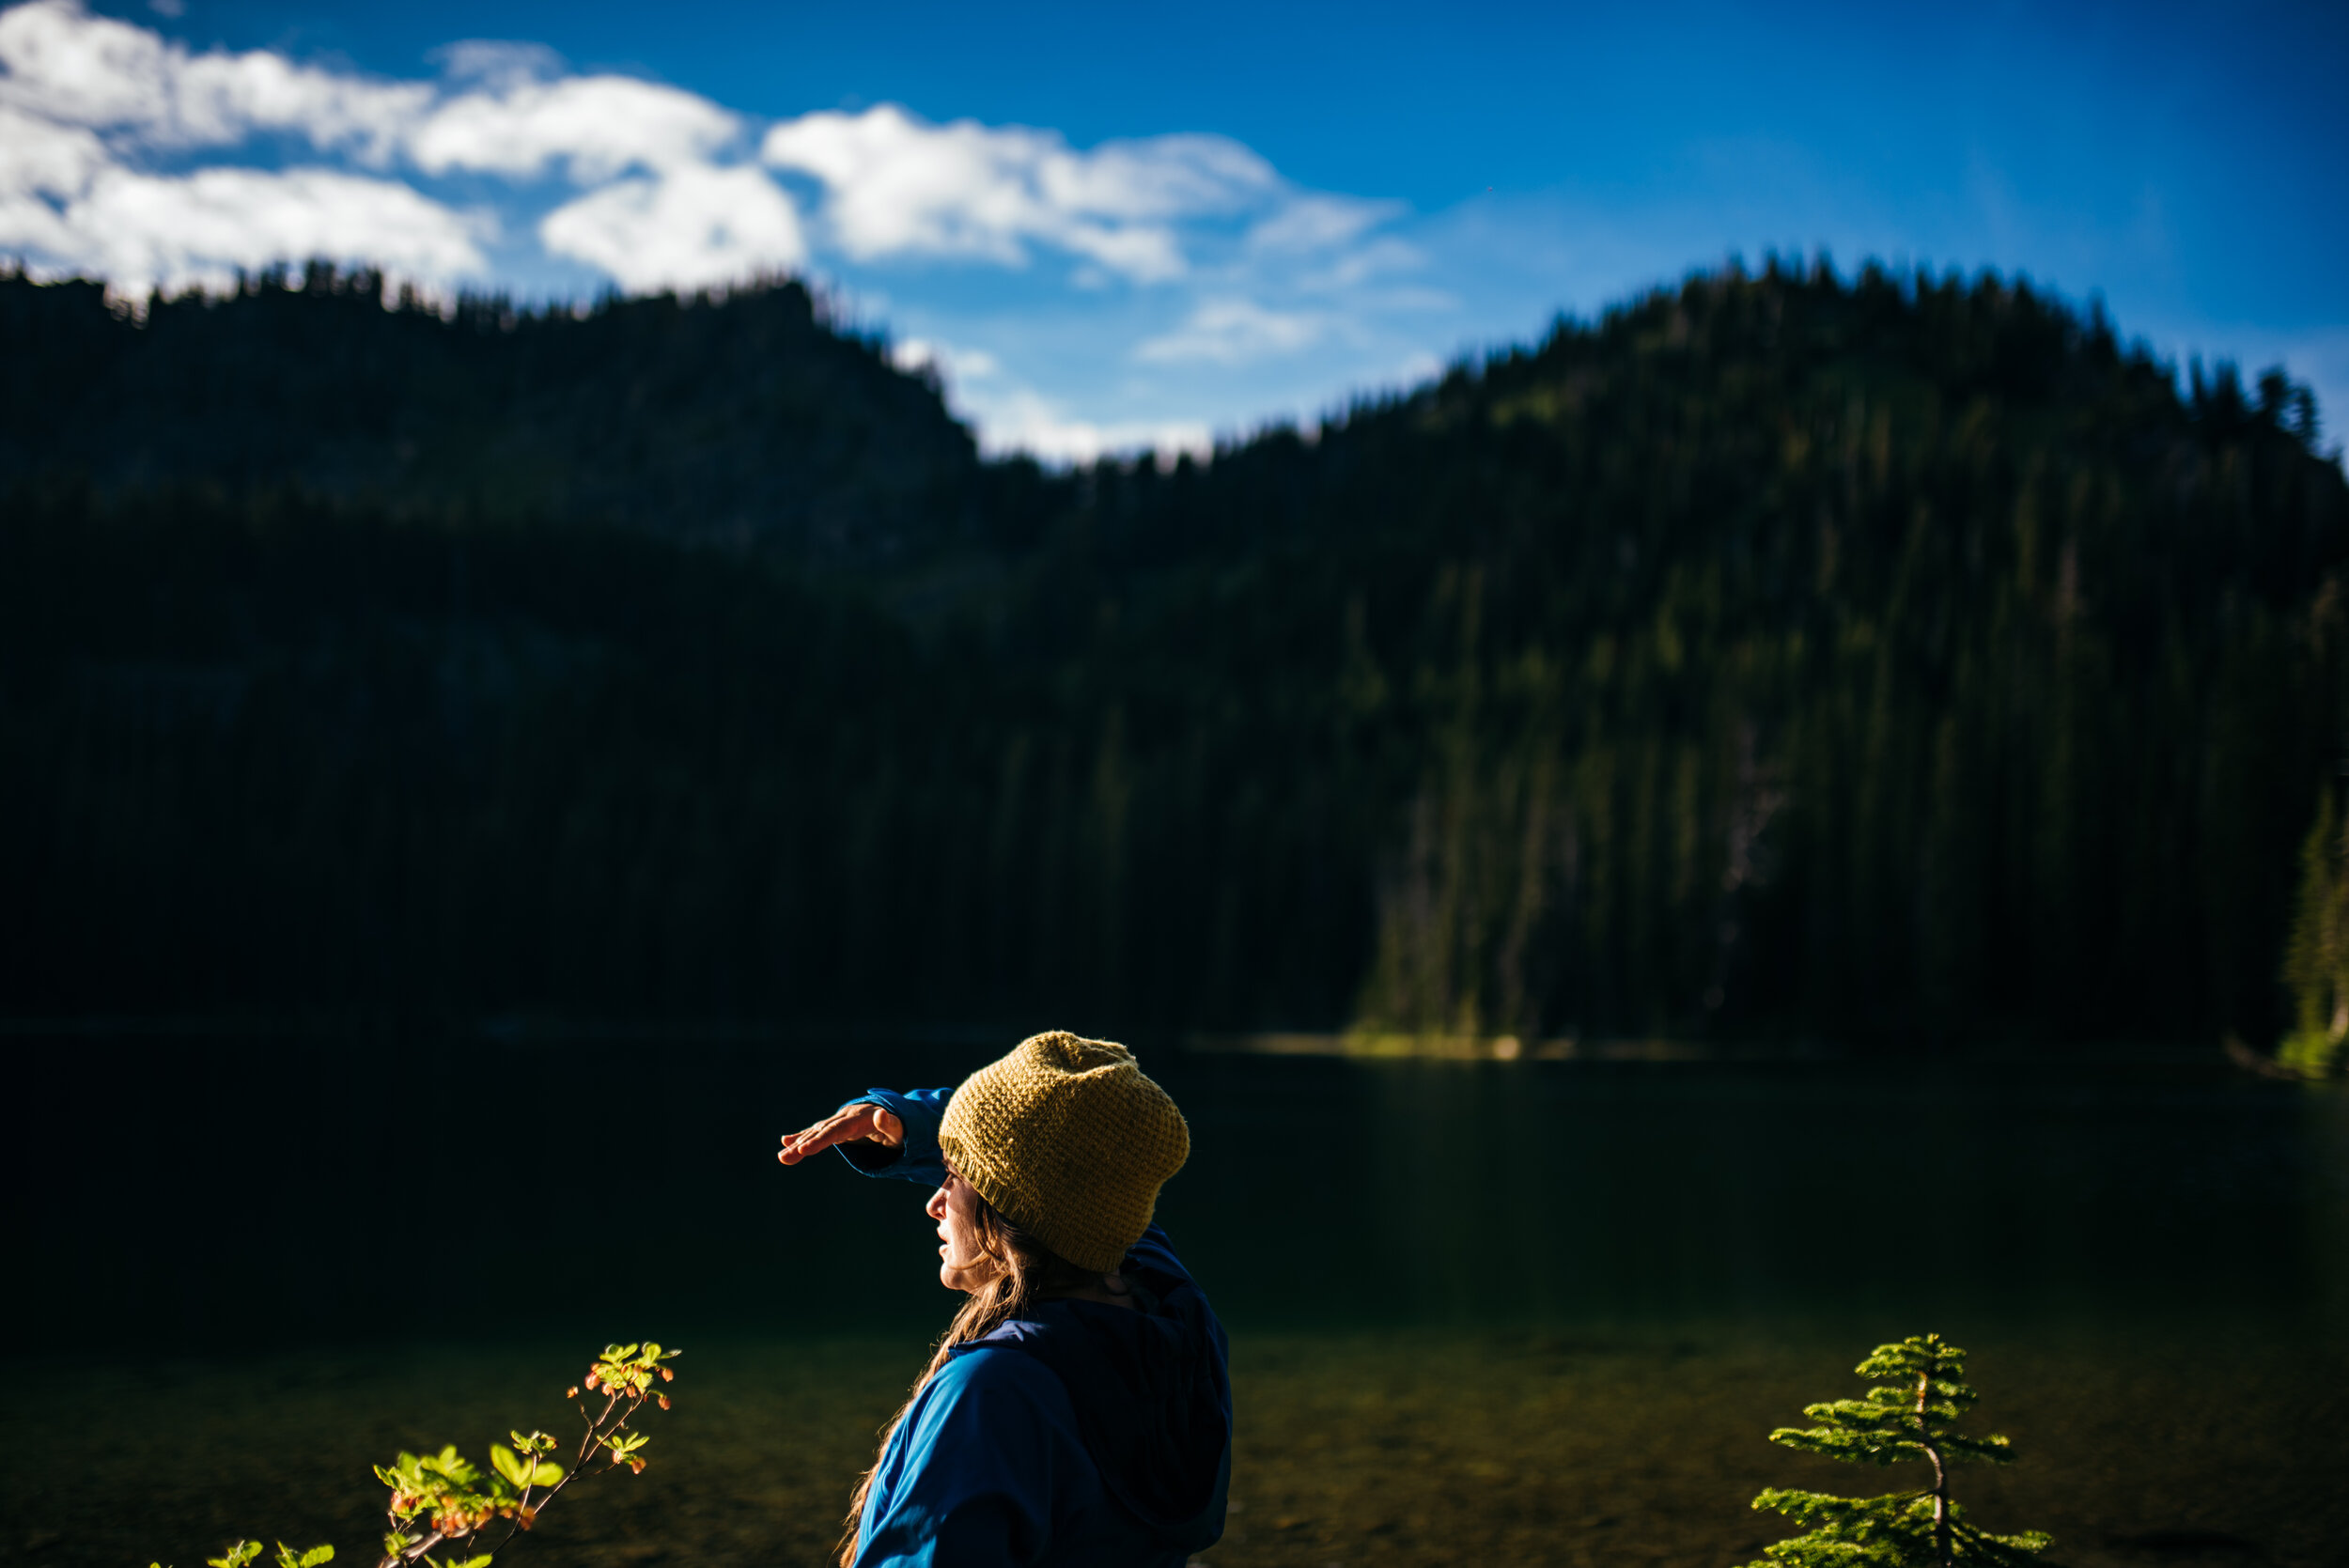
1153	1399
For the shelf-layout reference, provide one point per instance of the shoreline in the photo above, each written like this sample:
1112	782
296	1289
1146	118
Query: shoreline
527	1031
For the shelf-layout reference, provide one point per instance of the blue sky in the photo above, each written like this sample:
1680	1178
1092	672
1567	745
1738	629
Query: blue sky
1112	226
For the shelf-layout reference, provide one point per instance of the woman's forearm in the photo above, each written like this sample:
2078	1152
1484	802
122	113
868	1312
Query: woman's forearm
916	1159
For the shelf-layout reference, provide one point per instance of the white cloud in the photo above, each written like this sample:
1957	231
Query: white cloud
30	228
896	184
139	230
90	105
1162	177
596	127
1313	222
1232	331
693	227
962	364
1362	263
1023	420
76	69
38	154
1015	417
498	62
81	92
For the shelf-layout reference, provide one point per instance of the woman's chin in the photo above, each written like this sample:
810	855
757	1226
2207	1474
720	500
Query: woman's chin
966	1279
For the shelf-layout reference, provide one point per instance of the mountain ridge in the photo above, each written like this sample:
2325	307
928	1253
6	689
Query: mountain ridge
1777	655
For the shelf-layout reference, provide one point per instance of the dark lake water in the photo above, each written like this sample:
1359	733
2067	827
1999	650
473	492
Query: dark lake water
184	1192
1430	1259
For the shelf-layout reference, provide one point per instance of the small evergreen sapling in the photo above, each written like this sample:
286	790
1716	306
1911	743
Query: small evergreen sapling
1911	1413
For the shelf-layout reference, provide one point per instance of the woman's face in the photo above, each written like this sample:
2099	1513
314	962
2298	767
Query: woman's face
963	1265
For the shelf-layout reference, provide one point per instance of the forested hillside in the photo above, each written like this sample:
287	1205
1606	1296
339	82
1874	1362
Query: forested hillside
754	425
1892	659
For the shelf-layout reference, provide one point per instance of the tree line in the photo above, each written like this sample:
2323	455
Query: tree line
1888	658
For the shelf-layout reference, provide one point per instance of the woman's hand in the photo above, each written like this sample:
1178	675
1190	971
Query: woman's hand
848	1125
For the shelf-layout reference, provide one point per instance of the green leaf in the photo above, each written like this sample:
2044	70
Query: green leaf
510	1465
315	1556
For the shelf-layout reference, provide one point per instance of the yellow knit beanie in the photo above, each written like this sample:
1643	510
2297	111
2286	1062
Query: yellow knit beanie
1068	1141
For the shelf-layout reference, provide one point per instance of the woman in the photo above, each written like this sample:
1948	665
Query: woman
1078	1411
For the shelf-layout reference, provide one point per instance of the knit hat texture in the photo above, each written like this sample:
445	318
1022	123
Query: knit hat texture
1069	1141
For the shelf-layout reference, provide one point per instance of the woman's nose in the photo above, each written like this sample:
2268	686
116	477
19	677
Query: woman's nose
936	1208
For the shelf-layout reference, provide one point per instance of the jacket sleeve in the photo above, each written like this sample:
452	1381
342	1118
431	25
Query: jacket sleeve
969	1480
920	1111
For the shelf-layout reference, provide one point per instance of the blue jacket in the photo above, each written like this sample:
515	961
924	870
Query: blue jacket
1080	1434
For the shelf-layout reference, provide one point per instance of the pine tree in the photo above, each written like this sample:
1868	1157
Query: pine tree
1911	1413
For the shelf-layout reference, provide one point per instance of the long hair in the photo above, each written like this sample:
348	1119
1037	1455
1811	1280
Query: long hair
1026	1271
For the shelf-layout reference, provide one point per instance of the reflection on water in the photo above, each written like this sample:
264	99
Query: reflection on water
1520	1311
1528	1191
158	1182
